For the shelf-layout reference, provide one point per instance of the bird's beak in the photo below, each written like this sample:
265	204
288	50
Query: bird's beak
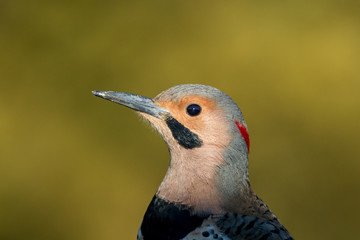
136	102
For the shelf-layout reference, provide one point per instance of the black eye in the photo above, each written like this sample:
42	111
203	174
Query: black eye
193	110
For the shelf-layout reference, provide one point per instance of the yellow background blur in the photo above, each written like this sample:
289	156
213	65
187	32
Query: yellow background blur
73	166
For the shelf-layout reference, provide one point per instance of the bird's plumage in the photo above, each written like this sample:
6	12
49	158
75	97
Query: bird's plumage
206	191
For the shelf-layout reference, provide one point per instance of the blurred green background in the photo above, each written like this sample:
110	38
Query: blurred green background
73	166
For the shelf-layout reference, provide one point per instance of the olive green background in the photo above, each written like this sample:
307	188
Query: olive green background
73	166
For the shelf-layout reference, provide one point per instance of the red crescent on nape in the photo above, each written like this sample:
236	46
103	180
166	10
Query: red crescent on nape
244	134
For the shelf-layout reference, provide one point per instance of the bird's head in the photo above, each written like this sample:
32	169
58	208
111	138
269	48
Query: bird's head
208	142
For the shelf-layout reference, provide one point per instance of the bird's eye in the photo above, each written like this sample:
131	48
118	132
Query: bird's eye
193	110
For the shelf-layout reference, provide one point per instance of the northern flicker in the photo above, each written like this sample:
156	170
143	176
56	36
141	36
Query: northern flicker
206	192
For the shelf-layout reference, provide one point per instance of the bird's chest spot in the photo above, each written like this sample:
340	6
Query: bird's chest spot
207	231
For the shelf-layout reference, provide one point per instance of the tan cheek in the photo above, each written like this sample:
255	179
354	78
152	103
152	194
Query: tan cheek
217	131
178	111
210	124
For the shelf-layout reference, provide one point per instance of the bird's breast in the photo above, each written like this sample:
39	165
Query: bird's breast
165	220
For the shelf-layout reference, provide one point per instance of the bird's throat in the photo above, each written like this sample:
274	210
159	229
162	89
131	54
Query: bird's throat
190	182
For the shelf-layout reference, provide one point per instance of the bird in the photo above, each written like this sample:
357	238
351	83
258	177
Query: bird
206	192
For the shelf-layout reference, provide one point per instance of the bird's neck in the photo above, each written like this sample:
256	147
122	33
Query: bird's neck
233	175
207	179
191	181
